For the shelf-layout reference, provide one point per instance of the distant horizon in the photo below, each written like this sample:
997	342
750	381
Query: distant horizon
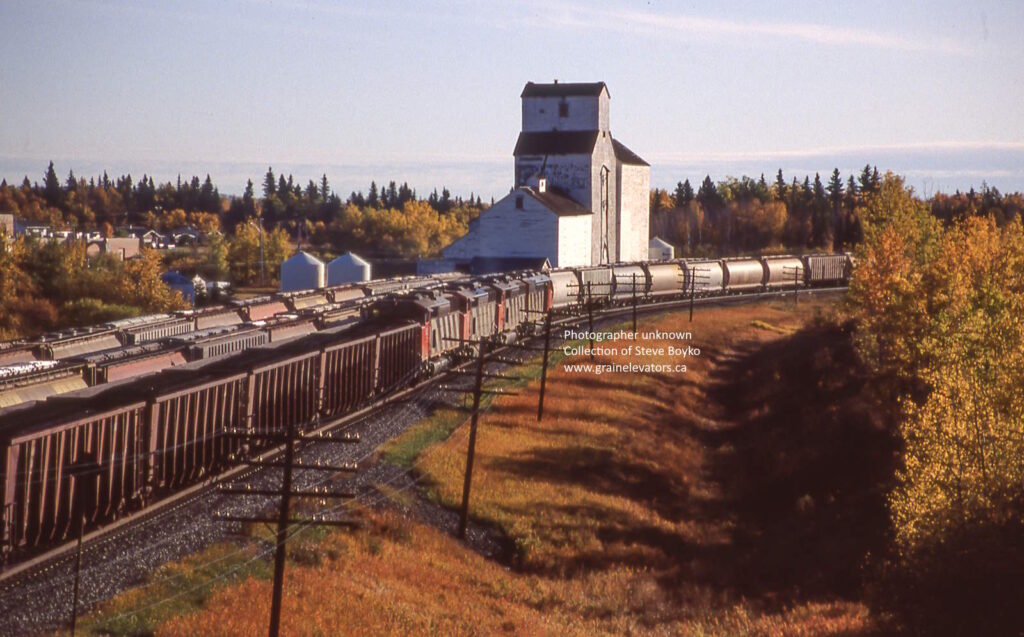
928	170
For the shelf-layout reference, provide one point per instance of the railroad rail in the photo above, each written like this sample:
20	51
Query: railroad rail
53	557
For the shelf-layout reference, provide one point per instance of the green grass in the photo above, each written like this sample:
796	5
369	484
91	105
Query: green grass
438	426
176	589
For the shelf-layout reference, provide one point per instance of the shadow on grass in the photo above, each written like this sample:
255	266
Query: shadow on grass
792	480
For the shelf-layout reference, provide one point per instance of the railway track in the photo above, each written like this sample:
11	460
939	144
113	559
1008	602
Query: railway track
33	573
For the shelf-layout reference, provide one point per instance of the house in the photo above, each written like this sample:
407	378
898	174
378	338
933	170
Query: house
121	247
184	236
150	238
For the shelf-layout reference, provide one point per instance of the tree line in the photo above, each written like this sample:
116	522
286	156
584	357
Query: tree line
750	215
937	298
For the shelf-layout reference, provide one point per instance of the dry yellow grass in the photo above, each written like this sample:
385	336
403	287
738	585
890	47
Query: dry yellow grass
625	511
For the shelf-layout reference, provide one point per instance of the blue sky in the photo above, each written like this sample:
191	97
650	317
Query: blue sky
429	92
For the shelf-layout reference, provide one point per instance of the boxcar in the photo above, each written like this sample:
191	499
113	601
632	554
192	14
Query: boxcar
827	269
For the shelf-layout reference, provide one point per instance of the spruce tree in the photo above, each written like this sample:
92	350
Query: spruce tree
780	186
325	190
269	184
835	189
51	187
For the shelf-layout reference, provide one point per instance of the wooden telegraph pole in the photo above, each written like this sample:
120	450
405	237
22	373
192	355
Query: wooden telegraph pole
86	472
477	390
289	464
634	302
544	367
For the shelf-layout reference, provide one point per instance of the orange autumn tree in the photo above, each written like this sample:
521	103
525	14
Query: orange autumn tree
939	322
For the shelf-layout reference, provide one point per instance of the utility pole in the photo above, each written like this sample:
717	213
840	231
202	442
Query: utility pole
634	302
544	368
590	319
85	473
477	390
693	289
263	267
286	493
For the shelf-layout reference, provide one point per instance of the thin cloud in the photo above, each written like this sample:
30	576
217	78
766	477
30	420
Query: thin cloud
632	21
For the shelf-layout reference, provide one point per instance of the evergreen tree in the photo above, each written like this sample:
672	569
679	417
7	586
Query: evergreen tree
284	188
71	185
835	189
708	196
684	194
269	184
445	204
392	200
865	179
372	197
325	190
780	186
51	187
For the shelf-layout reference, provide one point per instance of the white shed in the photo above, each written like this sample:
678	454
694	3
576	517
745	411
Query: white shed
302	272
660	250
348	268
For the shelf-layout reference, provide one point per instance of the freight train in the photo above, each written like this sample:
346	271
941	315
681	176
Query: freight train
155	403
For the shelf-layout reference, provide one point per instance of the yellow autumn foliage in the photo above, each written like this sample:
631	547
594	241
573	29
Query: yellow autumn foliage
939	315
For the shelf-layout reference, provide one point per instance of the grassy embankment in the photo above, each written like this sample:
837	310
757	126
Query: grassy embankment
738	498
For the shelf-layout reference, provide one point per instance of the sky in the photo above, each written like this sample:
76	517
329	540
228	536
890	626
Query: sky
428	93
